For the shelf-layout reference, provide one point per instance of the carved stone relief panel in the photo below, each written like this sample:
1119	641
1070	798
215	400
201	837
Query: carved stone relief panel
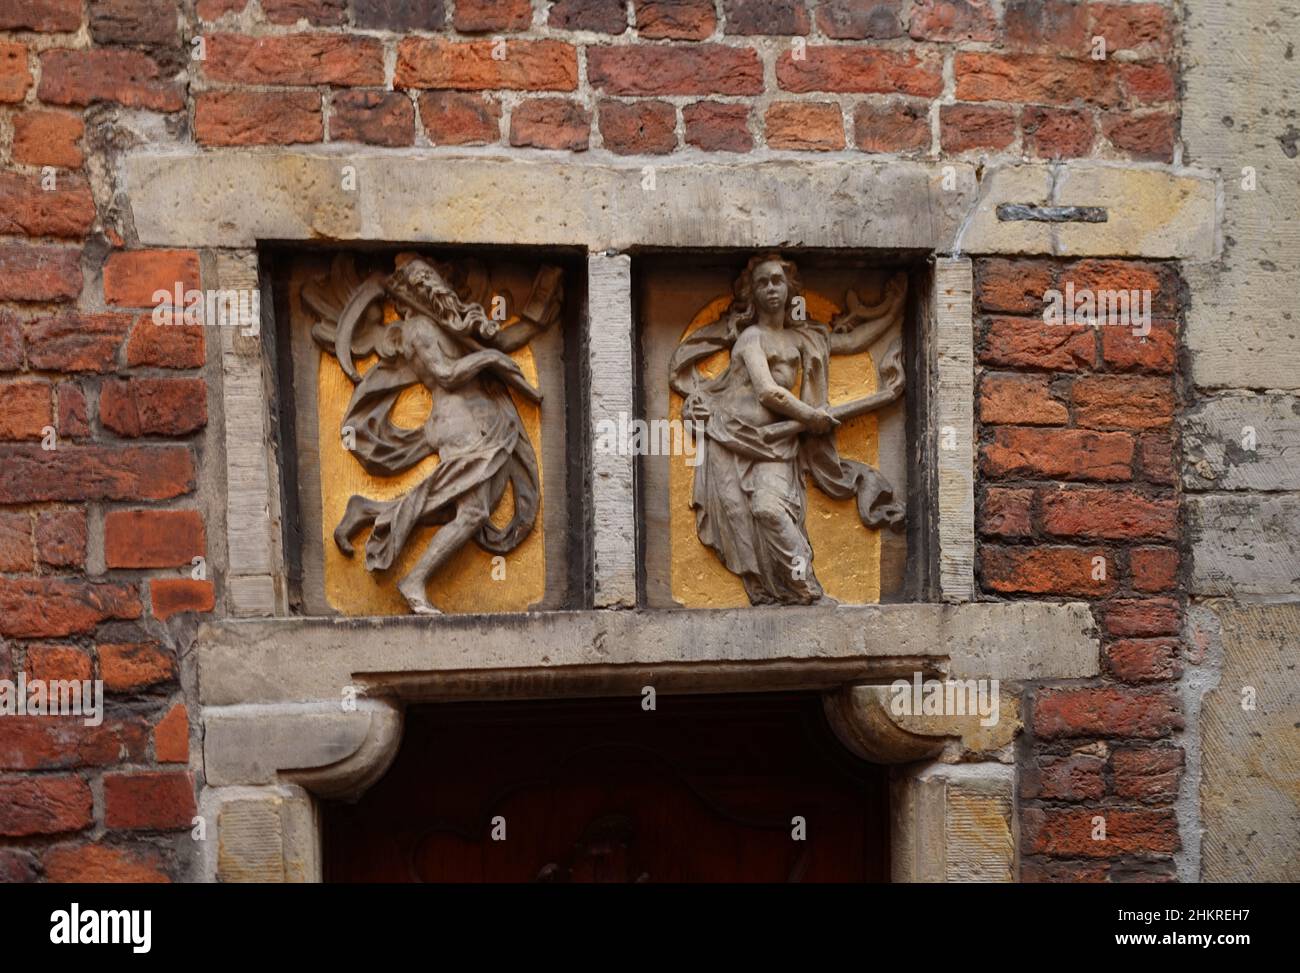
430	419
773	429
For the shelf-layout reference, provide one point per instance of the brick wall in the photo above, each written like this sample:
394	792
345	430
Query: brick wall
98	533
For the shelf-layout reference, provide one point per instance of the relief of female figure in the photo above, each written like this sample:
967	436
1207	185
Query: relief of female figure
761	438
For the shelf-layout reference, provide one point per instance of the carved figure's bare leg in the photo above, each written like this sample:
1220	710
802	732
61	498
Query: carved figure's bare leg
361	512
472	512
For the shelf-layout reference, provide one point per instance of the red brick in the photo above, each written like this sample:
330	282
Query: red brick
1077	777
1143	27
15	75
1045	571
215	9
61	538
48	138
1058	454
318	13
1029	343
1106	275
1056	133
1006	513
141	22
1069	872
76	342
258	118
84	77
25	207
45	607
966	127
1020	400
1123	402
639	127
1106	711
1140	618
749	17
11	342
426	62
551	123
1068	833
47	16
153	538
72	419
29	273
1143	660
72	473
1153	568
1055	25
953	20
900	126
16	866
149	801
132	277
675	69
1156	351
1147	84
859	69
860	19
1015	286
153	406
15	541
1150	137
65	742
103	863
43	805
1109	515
56	662
481	15
688	20
174	596
1157	458
171	737
165	346
372	117
1148	774
804	125
403	15
452	118
1033	78
599	16
25	409
128	667
295	59
717	127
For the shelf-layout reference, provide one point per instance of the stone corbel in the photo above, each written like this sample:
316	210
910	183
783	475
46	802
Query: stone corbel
861	718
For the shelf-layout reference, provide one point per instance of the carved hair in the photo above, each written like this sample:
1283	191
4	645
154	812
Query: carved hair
443	304
743	311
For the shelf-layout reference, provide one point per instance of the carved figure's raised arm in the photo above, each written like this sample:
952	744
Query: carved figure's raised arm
859	327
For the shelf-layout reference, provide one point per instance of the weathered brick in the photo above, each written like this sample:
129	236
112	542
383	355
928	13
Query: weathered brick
860	19
400	15
1109	515
215	9
34	273
165	346
15	75
47	16
68	210
75	342
600	16
55	662
103	863
1156	351
783	17
133	277
44	805
258	118
1029	343
84	77
1142	27
1109	275
174	596
65	742
1076	777
136	22
46	607
1057	133
1141	618
128	667
71	417
153	538
715	126
1069	872
318	13
1006	513
859	69
1157	458
1069	833
153	406
1013	285
424	62
1033	78
1106	711
953	20
481	15
966	127
804	125
1123	402
171	737
1020	400
373	117
1148	774
639	127
453	118
161	801
1046	571
1143	660
899	126
1147	84
688	20
25	409
61	538
16	866
1149	137
1058	454
48	138
1153	568
11	342
675	69
295	59
1055	25
551	123
30	474
15	541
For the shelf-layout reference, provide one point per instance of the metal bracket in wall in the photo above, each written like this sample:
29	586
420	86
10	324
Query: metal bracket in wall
1020	212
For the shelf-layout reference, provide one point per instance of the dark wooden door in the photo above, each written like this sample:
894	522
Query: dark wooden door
703	789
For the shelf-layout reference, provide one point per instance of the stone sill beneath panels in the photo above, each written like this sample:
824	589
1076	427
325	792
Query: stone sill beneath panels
234	199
